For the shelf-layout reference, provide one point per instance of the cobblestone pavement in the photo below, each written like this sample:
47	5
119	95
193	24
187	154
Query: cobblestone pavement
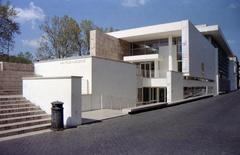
208	126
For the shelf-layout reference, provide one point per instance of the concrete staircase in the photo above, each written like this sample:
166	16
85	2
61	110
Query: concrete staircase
19	116
11	77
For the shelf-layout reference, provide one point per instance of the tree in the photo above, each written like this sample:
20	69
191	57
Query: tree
86	26
61	38
27	55
64	37
8	27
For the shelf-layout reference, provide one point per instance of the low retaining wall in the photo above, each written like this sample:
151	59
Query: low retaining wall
42	91
103	101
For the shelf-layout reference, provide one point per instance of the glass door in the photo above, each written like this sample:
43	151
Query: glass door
147	69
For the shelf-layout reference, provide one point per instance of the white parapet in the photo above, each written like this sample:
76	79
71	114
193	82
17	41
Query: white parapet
142	58
42	91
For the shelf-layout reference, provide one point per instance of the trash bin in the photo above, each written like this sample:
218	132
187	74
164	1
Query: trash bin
57	115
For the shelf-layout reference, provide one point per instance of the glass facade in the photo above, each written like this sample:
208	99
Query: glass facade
178	42
148	95
153	47
194	91
146	69
147	47
223	65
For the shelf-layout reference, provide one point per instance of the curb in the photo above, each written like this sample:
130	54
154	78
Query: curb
164	105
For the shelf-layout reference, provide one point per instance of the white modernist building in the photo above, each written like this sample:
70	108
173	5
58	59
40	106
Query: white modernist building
127	68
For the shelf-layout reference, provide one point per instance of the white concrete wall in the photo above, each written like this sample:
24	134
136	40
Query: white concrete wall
154	82
174	86
105	84
185	48
200	51
148	32
114	83
164	66
43	91
91	102
232	75
80	66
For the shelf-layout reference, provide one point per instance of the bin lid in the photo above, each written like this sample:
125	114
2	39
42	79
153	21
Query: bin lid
57	103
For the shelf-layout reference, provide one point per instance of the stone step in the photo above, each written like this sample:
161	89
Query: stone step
13	102
18	114
7	106
24	130
22	109
24	124
24	118
11	97
8	89
11	92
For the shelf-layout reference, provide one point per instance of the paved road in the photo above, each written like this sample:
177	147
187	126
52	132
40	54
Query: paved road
209	126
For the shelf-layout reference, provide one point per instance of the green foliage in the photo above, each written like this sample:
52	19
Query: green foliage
27	55
15	59
61	39
8	26
64	37
86	26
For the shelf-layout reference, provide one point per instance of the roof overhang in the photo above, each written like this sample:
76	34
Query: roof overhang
216	33
150	32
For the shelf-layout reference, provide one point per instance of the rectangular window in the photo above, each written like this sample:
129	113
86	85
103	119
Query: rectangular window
179	66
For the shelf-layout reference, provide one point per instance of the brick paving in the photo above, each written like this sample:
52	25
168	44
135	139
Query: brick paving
209	126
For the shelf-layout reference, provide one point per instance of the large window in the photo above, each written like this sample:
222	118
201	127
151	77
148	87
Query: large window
178	42
147	47
194	91
147	95
146	69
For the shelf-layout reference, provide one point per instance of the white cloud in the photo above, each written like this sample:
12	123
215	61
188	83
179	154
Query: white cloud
31	14
133	3
34	43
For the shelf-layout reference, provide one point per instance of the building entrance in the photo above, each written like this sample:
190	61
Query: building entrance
148	95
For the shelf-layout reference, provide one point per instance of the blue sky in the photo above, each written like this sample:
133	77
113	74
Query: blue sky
123	14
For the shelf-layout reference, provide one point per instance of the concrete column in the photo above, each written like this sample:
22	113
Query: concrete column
76	102
174	86
156	69
170	53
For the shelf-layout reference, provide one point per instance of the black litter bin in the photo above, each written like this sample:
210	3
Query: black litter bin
57	115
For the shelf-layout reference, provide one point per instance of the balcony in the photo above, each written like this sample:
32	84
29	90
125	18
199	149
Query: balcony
151	78
142	58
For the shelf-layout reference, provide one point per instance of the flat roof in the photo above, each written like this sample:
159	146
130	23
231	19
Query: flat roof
150	32
81	57
174	28
216	33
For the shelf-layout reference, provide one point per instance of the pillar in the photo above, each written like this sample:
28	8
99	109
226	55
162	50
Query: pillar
170	53
156	69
